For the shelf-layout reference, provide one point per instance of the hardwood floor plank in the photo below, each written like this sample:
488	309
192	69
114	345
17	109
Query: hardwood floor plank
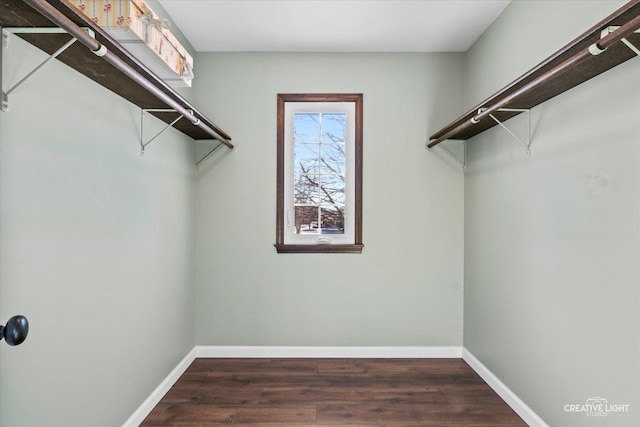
464	396
204	393
276	395
266	380
410	414
237	366
342	366
234	414
407	375
415	366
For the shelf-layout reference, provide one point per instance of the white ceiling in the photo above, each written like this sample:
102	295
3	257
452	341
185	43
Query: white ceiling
333	25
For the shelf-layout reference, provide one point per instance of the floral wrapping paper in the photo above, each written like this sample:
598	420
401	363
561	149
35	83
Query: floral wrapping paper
125	14
123	19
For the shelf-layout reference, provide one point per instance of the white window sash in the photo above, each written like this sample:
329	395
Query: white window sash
290	236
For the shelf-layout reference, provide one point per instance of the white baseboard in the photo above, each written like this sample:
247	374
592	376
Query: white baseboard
526	413
147	406
521	408
327	352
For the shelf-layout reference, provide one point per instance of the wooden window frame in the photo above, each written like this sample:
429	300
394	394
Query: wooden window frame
357	245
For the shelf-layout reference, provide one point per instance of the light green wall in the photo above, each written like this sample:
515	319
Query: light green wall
97	250
405	288
552	242
97	244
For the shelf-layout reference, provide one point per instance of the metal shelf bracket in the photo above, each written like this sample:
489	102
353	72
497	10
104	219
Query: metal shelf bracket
527	142
30	30
462	162
143	144
210	153
610	29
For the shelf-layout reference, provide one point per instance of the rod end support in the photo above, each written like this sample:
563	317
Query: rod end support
594	49
102	51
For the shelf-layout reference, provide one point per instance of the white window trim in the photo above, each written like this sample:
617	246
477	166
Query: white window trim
290	237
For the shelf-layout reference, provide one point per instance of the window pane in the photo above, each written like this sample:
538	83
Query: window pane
306	220
333	158
307	189
306	127
333	127
332	189
306	158
332	220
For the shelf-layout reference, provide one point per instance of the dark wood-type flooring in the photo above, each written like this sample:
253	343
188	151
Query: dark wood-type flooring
335	392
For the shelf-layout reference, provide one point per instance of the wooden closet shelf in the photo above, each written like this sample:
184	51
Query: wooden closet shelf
583	71
15	13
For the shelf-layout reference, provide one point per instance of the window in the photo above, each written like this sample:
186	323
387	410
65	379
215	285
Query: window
319	192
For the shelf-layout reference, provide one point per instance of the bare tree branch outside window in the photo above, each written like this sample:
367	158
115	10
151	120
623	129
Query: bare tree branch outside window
320	161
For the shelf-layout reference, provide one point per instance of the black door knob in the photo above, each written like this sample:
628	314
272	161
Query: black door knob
15	331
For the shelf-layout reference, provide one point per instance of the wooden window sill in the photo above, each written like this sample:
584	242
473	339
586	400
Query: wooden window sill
319	249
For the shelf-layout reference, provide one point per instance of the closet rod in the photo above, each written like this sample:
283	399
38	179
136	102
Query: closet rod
595	49
55	16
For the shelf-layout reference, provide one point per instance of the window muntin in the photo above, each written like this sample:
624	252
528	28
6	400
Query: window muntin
319	173
319	178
